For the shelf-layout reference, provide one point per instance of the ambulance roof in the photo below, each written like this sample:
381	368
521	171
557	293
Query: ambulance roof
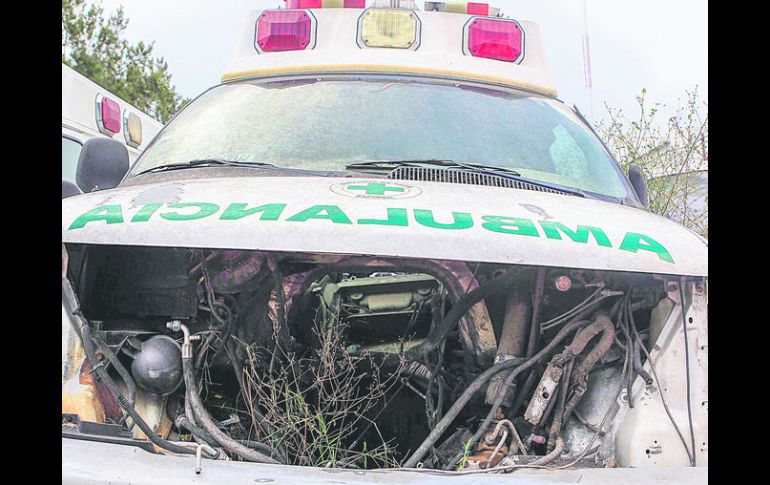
442	45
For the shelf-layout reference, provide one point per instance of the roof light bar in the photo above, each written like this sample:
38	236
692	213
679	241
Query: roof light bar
500	39
285	30
107	115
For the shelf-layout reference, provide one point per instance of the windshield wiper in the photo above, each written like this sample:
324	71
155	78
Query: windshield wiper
390	164
206	162
502	172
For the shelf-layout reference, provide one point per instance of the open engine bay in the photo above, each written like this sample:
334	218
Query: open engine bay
369	362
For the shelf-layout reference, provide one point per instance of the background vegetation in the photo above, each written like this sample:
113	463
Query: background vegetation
93	45
672	152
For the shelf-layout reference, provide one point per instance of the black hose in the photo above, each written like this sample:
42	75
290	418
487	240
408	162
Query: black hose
524	391
520	366
207	423
552	455
638	363
629	377
199	433
122	371
265	448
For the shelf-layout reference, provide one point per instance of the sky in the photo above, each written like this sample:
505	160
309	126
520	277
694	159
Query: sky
659	45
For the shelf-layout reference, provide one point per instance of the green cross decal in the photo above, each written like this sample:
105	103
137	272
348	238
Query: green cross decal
375	188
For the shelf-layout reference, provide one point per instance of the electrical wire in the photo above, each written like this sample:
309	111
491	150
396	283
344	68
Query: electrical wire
556	320
687	370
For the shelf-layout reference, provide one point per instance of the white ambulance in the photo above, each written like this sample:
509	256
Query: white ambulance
87	111
380	251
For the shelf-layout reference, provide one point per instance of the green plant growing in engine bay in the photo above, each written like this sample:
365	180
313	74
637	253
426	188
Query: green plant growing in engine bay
318	406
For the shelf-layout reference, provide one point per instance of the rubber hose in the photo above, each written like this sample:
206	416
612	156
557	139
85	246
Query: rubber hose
122	371
638	363
264	448
207	423
181	421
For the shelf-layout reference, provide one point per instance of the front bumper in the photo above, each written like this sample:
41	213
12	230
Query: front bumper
91	463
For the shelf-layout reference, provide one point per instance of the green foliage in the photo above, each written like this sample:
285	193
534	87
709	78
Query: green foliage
92	44
673	154
320	407
464	460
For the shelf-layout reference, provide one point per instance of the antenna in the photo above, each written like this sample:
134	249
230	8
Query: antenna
587	62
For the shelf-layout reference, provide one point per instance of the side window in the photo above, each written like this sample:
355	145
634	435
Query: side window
70	151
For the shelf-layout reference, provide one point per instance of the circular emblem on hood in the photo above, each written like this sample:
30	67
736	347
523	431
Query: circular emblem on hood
368	189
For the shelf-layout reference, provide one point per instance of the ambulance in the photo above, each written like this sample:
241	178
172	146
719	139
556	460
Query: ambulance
381	250
90	111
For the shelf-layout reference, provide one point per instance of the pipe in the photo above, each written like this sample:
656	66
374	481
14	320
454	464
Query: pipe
520	366
513	340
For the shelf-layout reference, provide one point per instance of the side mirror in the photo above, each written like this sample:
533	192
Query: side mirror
102	164
68	189
639	183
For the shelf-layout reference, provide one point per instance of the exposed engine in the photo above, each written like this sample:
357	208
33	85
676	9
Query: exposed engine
354	361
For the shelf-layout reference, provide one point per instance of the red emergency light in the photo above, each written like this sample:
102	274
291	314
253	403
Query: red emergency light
500	39
107	115
474	8
284	30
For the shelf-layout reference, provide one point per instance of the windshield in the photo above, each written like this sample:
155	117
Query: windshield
328	124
